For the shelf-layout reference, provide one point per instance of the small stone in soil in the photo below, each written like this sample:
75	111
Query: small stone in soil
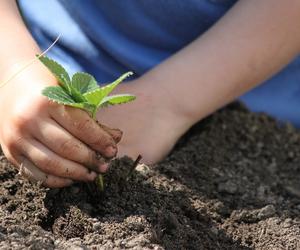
97	226
143	169
266	212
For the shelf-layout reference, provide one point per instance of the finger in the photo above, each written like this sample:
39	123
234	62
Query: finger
9	155
82	126
51	163
115	133
57	182
60	141
33	174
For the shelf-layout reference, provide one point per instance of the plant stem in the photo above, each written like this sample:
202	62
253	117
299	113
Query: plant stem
99	182
94	114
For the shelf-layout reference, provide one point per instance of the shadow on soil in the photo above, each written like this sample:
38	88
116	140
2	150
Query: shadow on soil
150	207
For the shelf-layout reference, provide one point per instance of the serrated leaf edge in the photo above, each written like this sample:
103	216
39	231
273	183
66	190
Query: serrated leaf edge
102	104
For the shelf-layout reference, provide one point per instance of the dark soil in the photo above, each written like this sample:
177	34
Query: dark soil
233	182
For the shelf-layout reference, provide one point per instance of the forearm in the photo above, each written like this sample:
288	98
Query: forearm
17	47
251	42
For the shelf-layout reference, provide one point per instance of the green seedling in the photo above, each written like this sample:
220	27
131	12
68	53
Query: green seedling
82	91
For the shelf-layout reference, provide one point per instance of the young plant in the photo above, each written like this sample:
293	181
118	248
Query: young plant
82	91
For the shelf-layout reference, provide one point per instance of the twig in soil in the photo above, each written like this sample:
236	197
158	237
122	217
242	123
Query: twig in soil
136	162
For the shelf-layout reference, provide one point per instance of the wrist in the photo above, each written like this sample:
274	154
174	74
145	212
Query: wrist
167	107
28	70
171	99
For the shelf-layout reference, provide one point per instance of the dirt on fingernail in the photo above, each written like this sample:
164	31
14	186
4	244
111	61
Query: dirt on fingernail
115	133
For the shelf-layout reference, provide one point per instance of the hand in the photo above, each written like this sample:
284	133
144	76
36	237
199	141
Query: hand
151	124
48	142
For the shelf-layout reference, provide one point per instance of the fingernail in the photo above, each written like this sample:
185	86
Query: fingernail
103	167
111	151
92	176
117	135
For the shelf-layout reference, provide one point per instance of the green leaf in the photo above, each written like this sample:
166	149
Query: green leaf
76	95
116	99
95	97
107	89
58	94
58	71
83	91
84	82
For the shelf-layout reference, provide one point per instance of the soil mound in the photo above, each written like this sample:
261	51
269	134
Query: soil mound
232	182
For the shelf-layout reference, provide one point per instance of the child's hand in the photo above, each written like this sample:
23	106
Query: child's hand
48	142
151	124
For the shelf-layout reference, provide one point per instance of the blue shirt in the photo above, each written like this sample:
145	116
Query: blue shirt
110	37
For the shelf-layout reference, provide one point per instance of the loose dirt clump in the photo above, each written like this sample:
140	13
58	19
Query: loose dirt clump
232	182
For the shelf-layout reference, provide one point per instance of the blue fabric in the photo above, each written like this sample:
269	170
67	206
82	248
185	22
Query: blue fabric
110	37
